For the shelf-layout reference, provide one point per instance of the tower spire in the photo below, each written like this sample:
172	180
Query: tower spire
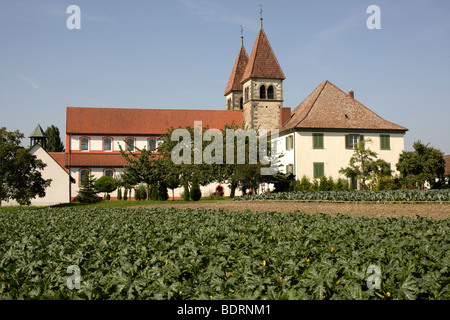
260	13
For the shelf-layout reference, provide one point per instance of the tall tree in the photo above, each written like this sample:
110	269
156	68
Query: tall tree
364	164
425	163
20	171
54	143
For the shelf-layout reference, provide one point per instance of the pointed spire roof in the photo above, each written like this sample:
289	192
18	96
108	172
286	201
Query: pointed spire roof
328	107
234	83
38	133
262	62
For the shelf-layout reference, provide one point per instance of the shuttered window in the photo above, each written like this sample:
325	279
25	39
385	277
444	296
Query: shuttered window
289	142
289	168
385	142
317	140
319	170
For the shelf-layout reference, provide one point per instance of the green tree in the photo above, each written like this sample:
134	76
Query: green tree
20	171
87	192
105	184
195	193
364	164
305	184
54	142
425	163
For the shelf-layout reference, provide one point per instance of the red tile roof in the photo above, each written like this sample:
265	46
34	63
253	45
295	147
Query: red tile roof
94	160
234	83
447	165
142	121
262	62
59	158
328	107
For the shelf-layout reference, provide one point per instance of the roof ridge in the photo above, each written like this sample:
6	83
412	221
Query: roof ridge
312	104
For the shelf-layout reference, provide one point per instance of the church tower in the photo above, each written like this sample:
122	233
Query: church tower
233	92
262	85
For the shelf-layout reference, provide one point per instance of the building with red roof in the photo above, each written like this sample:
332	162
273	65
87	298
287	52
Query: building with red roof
317	138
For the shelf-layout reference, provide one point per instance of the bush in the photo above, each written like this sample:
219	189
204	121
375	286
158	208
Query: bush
195	192
87	193
186	196
119	194
125	194
304	184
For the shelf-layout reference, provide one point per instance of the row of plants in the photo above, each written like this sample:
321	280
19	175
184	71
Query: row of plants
218	254
357	195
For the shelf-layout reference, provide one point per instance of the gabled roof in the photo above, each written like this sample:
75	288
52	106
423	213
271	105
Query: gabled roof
38	133
328	107
109	121
234	83
262	62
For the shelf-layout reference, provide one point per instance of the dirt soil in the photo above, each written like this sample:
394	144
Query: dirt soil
435	211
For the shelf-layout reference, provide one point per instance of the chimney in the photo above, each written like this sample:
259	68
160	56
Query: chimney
351	93
285	115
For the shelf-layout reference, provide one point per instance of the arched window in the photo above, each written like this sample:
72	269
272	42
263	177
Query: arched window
130	144
241	103
84	144
151	144
83	174
108	172
262	92
107	144
270	92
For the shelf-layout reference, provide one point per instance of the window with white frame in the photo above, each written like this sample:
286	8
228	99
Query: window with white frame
109	173
84	144
130	144
83	174
107	144
152	144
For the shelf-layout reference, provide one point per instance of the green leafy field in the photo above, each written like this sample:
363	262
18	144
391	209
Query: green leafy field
216	254
365	195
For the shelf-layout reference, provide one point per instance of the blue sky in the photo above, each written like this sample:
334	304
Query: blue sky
180	53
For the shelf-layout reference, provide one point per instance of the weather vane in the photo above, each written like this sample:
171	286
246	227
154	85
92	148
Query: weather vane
242	35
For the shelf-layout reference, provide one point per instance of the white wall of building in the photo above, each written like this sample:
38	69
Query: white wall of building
334	155
58	191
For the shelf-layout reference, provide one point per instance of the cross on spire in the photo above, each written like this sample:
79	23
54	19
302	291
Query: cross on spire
242	36
260	13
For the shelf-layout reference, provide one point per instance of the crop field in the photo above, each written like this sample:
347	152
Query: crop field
170	253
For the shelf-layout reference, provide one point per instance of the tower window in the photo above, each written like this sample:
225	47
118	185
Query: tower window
270	93
262	92
246	94
241	103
